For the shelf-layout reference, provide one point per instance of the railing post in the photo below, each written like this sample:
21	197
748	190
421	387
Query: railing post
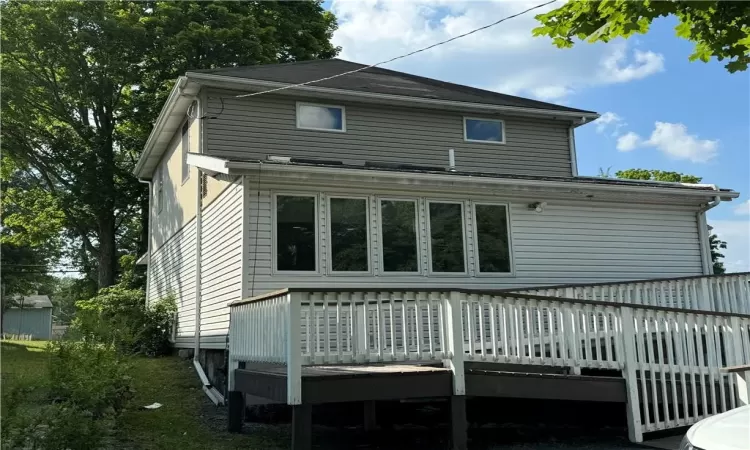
705	302
294	350
363	344
635	433
454	334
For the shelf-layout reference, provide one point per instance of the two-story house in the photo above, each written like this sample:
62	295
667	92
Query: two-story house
387	180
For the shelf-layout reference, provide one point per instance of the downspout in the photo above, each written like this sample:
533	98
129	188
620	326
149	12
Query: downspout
572	146
214	395
703	235
148	244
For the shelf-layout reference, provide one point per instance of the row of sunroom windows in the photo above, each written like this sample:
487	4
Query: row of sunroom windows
349	243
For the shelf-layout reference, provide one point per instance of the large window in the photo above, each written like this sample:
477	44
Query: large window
447	237
484	130
321	117
398	224
296	233
349	235
493	245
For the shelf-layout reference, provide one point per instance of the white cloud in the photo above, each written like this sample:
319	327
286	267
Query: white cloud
628	141
672	139
743	209
609	120
506	57
615	68
736	233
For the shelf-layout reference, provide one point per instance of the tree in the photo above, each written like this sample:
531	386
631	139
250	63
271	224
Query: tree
83	82
715	243
719	29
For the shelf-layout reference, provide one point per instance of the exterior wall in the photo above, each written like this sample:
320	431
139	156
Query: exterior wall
179	198
34	321
571	241
255	127
221	262
172	272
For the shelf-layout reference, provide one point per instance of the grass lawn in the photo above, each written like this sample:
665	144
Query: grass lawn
187	420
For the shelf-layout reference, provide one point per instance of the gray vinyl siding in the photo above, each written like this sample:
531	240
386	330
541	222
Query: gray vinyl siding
171	271
36	322
570	242
254	127
221	262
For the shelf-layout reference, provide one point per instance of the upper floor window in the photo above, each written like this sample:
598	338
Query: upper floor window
296	233
321	117
484	130
159	190
185	150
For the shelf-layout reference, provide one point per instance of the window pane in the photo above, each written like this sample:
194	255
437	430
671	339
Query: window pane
484	130
295	233
349	235
447	235
324	117
398	221
492	236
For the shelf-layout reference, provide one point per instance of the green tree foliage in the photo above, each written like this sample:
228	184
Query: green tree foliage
658	175
83	82
719	29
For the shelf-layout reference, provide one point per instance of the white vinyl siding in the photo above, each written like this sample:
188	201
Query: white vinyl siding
221	262
253	128
171	271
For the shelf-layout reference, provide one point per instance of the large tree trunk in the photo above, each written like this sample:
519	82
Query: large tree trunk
107	251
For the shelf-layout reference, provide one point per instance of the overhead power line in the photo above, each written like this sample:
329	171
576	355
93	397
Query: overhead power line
497	22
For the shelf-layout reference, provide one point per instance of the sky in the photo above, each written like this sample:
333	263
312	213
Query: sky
659	110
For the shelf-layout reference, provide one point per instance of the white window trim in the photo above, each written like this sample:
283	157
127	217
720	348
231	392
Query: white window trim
274	238
343	117
502	127
478	271
381	268
329	243
184	165
431	272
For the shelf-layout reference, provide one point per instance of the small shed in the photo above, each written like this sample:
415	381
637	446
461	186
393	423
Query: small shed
31	317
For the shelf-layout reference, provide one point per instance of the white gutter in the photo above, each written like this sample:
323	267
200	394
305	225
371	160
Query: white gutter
230	166
210	391
166	111
413	101
704	236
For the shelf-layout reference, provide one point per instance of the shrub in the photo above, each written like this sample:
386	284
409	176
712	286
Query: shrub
89	376
120	317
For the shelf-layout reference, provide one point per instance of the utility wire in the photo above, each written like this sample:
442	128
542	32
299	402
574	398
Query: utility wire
497	22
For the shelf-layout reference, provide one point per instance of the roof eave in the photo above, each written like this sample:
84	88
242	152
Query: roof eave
577	117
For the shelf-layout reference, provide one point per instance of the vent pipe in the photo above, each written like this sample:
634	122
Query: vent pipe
451	160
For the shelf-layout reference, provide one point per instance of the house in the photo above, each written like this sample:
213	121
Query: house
386	181
30	316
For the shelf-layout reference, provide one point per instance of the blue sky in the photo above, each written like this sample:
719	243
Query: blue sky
660	110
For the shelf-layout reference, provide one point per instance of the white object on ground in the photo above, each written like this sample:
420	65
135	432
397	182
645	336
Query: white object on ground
725	431
153	406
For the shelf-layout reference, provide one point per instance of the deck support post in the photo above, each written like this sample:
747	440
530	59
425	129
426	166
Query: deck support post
236	410
294	350
455	344
459	437
370	415
302	427
635	433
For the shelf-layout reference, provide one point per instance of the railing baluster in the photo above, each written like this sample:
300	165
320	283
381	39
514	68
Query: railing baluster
493	326
659	334
419	328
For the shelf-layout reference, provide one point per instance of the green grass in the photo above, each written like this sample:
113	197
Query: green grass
187	420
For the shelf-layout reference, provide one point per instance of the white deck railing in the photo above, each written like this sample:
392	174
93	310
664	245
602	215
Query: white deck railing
668	356
721	293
